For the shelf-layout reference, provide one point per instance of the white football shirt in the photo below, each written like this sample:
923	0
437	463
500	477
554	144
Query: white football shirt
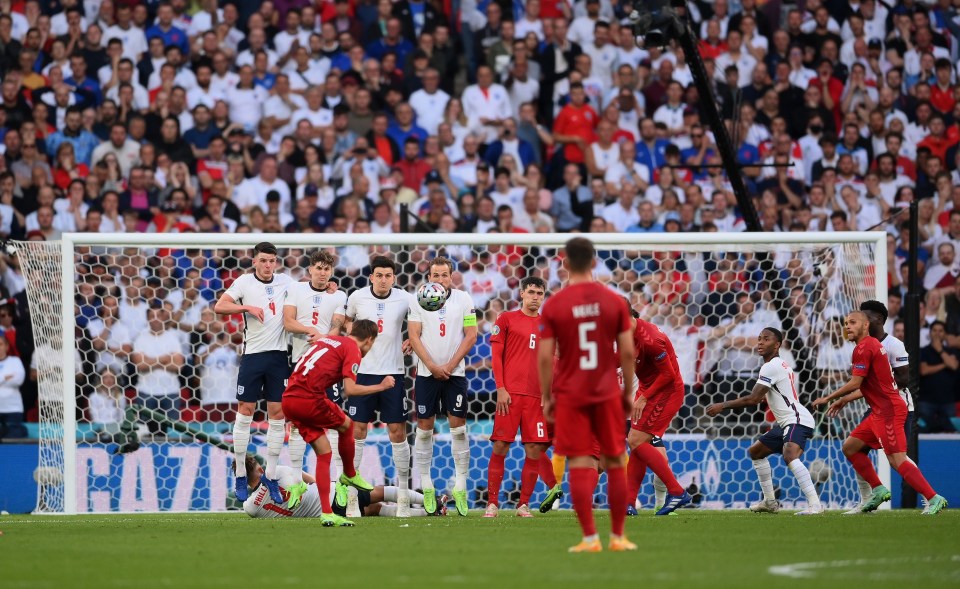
782	394
266	336
259	504
315	308
442	331
386	355
897	355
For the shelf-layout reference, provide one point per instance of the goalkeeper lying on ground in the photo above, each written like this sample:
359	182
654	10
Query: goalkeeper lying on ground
372	503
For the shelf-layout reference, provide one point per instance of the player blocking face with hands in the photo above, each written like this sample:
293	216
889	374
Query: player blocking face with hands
883	428
778	385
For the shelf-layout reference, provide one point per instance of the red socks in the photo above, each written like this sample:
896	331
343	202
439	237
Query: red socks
910	473
583	481
617	498
545	466
323	481
494	478
864	467
528	480
636	471
347	451
659	465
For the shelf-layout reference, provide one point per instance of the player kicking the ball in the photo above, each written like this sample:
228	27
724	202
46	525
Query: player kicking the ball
584	320
330	359
514	358
777	383
658	401
264	366
883	428
441	340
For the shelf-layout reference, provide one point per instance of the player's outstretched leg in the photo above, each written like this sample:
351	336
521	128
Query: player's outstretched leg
275	435
423	453
864	466
911	473
241	440
351	476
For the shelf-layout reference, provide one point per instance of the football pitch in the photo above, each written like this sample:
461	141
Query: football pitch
691	549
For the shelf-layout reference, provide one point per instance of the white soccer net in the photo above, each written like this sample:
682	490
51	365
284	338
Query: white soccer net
711	293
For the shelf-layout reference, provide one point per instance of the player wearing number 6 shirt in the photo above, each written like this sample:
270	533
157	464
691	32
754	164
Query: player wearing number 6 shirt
585	320
265	366
883	428
441	339
777	383
658	400
387	307
514	358
330	359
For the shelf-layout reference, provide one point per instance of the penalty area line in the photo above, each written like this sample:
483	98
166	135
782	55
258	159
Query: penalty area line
810	570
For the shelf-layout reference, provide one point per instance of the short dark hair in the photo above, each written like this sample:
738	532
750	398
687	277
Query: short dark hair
873	306
264	247
363	329
441	261
533	281
776	333
580	254
382	262
322	257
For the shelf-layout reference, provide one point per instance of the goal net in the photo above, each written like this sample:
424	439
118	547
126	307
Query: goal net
711	293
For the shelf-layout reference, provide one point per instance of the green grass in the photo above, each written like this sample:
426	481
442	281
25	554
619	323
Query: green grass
692	549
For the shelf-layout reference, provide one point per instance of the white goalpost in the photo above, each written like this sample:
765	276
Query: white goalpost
87	293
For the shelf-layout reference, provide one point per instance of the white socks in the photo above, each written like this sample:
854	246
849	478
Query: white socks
297	448
336	466
391	494
241	441
391	511
765	475
806	483
401	461
865	491
461	456
275	435
423	451
358	453
659	491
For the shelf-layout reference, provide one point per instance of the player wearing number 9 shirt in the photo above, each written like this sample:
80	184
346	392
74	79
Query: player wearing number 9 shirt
441	339
264	366
585	320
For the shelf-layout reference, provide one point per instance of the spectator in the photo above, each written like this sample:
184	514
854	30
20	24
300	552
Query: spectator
157	359
107	406
11	402
219	364
938	372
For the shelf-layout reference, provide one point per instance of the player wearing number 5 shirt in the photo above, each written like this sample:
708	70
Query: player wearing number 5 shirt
441	339
265	366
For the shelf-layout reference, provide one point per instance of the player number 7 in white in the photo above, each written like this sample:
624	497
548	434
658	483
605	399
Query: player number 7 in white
309	363
589	360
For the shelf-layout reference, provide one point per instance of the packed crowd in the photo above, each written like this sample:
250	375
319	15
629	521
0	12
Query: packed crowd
490	116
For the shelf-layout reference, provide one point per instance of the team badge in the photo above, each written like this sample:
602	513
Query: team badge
381	308
269	291
355	368
316	300
353	411
443	312
239	390
422	409
495	330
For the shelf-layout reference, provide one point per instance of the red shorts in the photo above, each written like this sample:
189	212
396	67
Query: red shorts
883	432
590	430
525	414
312	416
659	412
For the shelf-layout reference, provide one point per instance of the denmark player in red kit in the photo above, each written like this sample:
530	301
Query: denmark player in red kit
584	320
329	360
658	401
883	428
514	358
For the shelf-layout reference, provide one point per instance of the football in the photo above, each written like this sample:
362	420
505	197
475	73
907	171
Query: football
431	296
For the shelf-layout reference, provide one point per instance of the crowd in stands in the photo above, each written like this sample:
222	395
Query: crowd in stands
505	116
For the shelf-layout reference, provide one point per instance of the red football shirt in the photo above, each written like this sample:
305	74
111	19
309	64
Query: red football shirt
656	368
585	319
579	122
325	363
514	346
878	388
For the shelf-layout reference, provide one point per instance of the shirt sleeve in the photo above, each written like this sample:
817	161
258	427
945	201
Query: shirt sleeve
291	296
341	303
351	361
469	313
498	342
898	355
861	360
768	375
546	323
352	306
624	319
413	310
236	290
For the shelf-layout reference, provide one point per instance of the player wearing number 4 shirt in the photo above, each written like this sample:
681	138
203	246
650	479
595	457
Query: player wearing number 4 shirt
585	320
387	307
441	339
514	358
777	383
883	428
264	367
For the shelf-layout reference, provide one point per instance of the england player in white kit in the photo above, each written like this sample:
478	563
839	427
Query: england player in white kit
777	383
441	339
387	307
264	366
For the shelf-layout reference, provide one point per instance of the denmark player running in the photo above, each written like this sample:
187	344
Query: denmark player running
585	320
264	366
883	428
900	364
329	360
387	307
657	402
441	340
311	311
514	358
777	383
